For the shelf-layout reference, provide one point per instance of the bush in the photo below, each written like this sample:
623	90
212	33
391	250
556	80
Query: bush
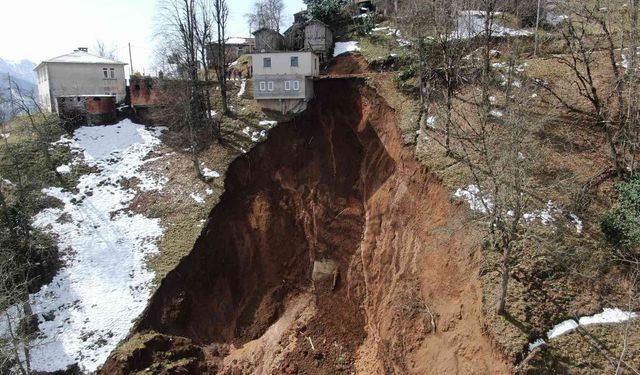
621	226
332	12
406	74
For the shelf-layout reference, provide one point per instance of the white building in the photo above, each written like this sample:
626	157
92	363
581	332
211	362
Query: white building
79	73
283	81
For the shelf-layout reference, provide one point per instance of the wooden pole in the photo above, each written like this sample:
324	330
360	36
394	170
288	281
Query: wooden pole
130	60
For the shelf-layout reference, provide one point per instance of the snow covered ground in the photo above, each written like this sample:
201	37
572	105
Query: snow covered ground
484	204
471	24
344	47
608	315
243	87
104	284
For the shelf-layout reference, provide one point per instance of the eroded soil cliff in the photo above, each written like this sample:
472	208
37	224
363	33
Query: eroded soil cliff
332	187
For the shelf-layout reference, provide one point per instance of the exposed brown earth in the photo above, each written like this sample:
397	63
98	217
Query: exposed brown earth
348	64
335	184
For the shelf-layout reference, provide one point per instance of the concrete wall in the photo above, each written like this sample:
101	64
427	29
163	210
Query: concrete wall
285	106
44	94
144	91
282	87
308	64
68	79
83	110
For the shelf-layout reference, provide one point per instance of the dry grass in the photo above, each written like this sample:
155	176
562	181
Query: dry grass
554	265
183	217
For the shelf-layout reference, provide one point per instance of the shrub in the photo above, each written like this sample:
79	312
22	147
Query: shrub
621	226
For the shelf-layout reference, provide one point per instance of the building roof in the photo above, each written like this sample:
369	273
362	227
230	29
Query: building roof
81	57
265	29
282	52
315	20
239	40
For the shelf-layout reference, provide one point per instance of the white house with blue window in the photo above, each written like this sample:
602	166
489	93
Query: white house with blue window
283	81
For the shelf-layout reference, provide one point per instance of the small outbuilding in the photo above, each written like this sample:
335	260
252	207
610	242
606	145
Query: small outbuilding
268	40
234	48
318	38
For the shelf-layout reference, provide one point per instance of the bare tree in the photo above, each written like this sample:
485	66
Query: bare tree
40	122
102	50
266	14
180	25
220	17
494	141
614	105
204	35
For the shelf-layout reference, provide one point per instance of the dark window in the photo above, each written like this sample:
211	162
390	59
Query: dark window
294	60
105	73
96	99
266	62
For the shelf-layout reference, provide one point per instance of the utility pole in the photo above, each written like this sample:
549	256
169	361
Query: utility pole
130	60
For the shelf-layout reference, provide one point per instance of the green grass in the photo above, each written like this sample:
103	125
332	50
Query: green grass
22	158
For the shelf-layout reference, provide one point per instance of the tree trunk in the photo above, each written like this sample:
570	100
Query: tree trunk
504	268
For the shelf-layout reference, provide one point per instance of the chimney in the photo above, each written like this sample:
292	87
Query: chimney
83	49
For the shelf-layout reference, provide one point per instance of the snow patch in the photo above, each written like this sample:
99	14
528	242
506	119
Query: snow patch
607	316
344	47
472	195
496	113
206	172
431	121
63	169
196	197
268	123
577	222
243	86
104	284
471	24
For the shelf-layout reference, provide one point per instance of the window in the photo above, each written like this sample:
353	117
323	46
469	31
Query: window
263	86
105	73
112	73
294	60
270	86
266	62
296	85
287	85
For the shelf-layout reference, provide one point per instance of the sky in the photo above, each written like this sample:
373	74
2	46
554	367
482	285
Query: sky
57	27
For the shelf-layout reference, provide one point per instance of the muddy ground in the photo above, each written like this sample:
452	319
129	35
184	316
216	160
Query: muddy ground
335	185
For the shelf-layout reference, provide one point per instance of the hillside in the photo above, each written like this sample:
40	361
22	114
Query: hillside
22	75
460	196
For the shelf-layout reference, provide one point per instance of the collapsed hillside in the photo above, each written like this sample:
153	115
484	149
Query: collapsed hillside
395	287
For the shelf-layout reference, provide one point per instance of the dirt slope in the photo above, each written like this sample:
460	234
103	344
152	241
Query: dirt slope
337	185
